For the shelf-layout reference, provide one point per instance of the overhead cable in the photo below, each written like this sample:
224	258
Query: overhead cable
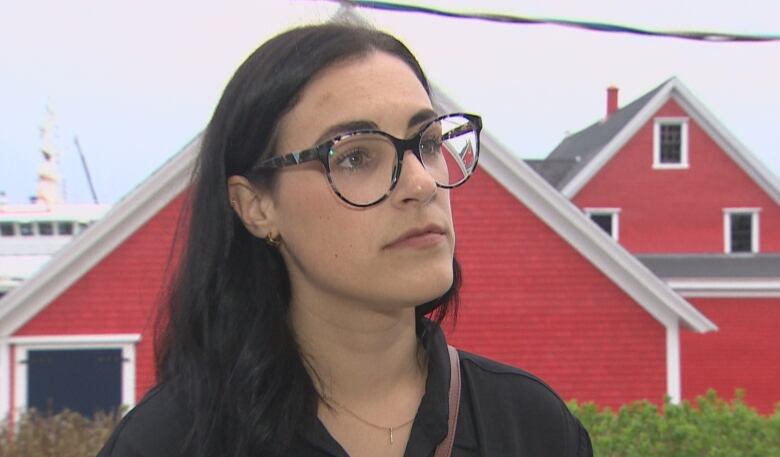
707	36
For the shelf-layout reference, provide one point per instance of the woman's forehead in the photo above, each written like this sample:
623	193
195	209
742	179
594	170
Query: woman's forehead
378	88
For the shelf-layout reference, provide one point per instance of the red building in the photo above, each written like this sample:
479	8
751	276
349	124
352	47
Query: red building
545	289
667	181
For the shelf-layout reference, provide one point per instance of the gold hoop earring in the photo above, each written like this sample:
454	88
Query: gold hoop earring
273	242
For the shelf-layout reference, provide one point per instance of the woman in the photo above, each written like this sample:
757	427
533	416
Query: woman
320	236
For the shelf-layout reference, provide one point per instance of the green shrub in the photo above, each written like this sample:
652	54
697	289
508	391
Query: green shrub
67	434
707	427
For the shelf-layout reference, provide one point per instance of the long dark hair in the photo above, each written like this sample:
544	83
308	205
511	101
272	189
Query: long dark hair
226	346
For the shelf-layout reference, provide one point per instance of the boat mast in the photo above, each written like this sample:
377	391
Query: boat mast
49	191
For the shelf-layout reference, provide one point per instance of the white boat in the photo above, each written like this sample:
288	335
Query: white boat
31	233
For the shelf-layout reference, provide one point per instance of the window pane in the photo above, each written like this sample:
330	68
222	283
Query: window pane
45	228
741	232
670	143
65	228
26	229
82	380
7	229
604	221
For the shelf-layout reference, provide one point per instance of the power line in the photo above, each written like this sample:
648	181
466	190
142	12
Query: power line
706	36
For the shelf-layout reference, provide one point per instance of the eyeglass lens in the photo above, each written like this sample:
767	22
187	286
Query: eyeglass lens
362	165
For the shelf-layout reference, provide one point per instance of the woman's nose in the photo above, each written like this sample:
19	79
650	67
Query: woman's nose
415	182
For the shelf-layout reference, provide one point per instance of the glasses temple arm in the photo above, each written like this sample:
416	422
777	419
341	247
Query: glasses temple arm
293	158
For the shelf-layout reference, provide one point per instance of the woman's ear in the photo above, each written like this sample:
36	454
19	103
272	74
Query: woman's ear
253	205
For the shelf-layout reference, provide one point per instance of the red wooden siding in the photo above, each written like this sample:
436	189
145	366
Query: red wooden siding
530	300
119	295
743	353
678	211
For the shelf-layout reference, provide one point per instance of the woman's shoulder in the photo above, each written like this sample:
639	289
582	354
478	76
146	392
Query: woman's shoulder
506	380
156	426
525	403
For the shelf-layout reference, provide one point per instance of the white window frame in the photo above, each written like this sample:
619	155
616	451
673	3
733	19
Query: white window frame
754	228
22	345
614	212
683	123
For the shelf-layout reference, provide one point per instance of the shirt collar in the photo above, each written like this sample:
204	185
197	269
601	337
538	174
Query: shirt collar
430	424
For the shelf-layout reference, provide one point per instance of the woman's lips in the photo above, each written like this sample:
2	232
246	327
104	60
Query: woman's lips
419	239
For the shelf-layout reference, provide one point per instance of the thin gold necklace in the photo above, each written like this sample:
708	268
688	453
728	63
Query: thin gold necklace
380	427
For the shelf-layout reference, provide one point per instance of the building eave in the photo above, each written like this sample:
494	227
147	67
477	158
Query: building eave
738	152
726	287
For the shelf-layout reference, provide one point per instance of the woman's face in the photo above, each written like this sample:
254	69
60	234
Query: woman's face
393	255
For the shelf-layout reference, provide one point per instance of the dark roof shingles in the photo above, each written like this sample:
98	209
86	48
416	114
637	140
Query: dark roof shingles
578	149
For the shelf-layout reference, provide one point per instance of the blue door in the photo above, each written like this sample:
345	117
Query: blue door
82	380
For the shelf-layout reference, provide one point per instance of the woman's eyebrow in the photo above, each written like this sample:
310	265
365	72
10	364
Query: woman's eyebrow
421	116
345	127
418	118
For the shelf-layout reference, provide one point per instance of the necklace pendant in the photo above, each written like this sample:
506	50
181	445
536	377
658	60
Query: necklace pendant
390	429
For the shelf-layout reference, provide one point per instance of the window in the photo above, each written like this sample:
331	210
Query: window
7	229
604	221
670	143
26	229
45	228
740	229
606	218
64	228
82	380
83	373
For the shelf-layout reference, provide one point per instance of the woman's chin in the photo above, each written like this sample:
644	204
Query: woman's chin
422	289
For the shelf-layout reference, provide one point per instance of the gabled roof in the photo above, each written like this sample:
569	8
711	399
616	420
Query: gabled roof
650	292
580	156
129	214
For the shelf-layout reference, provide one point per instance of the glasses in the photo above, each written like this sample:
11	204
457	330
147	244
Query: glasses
363	166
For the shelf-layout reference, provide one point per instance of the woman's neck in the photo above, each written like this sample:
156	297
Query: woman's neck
359	356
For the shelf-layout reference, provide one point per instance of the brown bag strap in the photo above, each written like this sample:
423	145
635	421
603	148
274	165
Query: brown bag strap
444	449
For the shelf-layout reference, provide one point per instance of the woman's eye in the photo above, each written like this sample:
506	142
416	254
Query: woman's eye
430	146
353	160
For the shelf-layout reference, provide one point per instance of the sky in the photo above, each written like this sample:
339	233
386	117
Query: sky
137	80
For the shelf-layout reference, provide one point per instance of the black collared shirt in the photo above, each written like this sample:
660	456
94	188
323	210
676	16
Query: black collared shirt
504	411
